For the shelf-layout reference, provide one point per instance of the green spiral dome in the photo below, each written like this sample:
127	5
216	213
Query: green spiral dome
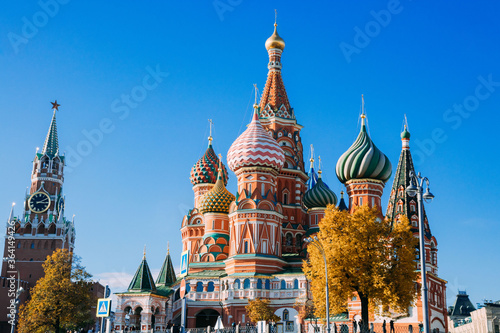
363	160
319	196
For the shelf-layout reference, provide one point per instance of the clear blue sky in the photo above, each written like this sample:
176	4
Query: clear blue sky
132	188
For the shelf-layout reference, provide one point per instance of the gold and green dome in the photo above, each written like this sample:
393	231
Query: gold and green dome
363	160
218	199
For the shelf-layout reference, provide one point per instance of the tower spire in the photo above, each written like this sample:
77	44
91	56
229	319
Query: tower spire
312	157
11	216
210	138
51	145
319	167
363	114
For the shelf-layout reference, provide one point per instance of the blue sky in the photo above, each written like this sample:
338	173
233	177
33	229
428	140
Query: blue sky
436	62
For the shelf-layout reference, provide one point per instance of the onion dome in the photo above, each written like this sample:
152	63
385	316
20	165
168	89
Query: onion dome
275	41
255	147
205	170
320	195
218	199
363	160
405	134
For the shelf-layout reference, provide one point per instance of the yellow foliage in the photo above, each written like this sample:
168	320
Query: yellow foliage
61	300
259	309
364	256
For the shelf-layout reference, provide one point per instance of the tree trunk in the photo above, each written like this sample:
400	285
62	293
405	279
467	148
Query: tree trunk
364	314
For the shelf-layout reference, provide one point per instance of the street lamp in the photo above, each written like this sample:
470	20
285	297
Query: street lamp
415	188
315	241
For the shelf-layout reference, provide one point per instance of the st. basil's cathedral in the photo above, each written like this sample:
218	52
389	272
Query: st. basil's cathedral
249	244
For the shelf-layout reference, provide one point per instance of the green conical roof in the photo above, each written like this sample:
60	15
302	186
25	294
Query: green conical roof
51	145
167	273
143	280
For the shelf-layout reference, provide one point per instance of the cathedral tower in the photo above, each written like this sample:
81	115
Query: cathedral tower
278	119
364	170
400	204
256	216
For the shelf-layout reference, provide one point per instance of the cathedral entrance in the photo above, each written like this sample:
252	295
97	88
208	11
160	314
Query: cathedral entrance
207	317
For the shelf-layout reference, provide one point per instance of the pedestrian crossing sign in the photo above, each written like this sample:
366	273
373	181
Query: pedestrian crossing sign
103	307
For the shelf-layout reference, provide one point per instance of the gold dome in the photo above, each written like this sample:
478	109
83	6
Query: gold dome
275	41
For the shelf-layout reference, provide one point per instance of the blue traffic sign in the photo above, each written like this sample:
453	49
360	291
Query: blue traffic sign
103	307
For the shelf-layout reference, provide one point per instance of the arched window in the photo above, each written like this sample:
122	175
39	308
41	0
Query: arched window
263	189
245	244
295	284
246	284
286	315
18	245
210	287
259	284
288	240
249	189
283	284
199	286
285	198
236	284
298	241
32	246
267	284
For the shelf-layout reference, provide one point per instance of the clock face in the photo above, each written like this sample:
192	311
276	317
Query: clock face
39	202
60	206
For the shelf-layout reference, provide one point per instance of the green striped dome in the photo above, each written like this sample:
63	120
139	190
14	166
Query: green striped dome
319	196
363	160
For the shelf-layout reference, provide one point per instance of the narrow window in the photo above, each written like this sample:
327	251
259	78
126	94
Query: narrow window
285	198
361	201
249	189
263	189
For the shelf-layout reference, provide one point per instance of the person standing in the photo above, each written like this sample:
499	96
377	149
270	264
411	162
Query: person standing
391	326
354	325
384	330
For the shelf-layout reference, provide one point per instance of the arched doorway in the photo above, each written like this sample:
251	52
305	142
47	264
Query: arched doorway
207	317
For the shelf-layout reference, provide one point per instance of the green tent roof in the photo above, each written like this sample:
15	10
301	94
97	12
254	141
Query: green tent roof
167	273
143	280
51	145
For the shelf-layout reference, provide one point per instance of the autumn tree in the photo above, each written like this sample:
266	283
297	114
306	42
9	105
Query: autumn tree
259	309
365	256
61	300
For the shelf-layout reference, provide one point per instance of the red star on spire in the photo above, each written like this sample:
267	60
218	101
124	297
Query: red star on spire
55	105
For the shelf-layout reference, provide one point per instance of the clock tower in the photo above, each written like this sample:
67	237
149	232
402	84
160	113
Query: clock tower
42	228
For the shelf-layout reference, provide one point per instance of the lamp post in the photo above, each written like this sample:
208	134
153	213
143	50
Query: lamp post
415	188
315	241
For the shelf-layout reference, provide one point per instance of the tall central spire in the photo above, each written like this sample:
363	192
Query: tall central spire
51	145
274	101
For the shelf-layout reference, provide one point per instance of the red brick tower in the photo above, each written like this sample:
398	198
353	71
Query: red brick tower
43	227
278	118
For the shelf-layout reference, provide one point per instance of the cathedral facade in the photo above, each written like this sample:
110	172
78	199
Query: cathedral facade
250	244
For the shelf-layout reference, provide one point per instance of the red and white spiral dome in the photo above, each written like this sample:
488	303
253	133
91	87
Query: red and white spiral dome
255	147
